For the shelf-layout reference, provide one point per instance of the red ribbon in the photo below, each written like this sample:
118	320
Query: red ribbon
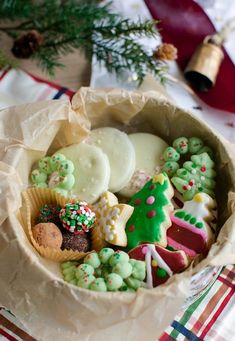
185	24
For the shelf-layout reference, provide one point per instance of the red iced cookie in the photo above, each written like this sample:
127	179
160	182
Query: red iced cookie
160	262
190	230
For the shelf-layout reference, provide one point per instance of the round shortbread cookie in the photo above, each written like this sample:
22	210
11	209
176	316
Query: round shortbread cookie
92	170
121	154
148	151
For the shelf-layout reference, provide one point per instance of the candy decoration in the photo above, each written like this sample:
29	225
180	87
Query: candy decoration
196	176
185	147
166	262
190	230
111	221
106	271
152	207
54	172
77	218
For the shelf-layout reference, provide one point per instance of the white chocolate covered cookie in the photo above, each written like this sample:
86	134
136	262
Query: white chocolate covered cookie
148	151
117	146
92	170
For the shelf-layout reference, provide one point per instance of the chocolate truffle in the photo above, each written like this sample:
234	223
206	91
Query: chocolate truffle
47	235
49	213
78	242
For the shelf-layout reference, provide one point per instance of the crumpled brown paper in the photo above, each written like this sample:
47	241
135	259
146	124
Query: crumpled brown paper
32	286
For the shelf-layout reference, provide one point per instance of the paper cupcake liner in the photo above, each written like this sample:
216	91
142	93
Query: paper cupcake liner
34	199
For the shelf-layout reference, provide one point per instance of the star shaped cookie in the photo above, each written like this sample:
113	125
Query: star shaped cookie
111	219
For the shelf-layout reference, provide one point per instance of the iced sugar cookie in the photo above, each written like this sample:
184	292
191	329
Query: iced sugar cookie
92	170
160	262
111	221
190	230
151	216
54	172
148	151
195	176
117	146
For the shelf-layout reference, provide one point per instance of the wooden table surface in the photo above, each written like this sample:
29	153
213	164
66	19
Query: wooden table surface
75	74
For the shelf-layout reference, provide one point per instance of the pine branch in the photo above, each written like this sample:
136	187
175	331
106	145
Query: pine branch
75	24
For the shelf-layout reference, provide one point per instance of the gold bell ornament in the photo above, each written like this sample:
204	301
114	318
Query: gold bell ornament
203	68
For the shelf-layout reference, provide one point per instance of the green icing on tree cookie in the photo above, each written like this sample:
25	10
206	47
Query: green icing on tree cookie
196	176
150	218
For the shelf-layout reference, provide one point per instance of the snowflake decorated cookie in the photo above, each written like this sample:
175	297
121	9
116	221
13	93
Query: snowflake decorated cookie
151	216
55	172
190	230
111	221
160	262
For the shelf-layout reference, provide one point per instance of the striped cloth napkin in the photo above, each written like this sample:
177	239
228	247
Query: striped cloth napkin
19	87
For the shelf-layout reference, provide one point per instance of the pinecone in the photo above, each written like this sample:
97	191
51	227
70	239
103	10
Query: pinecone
166	52
27	44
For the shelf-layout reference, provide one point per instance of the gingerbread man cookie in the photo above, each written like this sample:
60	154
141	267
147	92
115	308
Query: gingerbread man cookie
151	216
190	230
111	221
160	262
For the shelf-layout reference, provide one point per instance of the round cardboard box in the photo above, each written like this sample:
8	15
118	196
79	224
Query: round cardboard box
31	286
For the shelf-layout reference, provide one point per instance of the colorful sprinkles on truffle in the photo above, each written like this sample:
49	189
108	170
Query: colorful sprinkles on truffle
77	217
48	213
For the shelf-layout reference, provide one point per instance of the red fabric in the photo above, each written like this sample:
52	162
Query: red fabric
68	92
185	24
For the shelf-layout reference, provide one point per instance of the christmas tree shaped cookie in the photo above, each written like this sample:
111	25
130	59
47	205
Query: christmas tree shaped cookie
160	262
151	216
196	176
190	230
